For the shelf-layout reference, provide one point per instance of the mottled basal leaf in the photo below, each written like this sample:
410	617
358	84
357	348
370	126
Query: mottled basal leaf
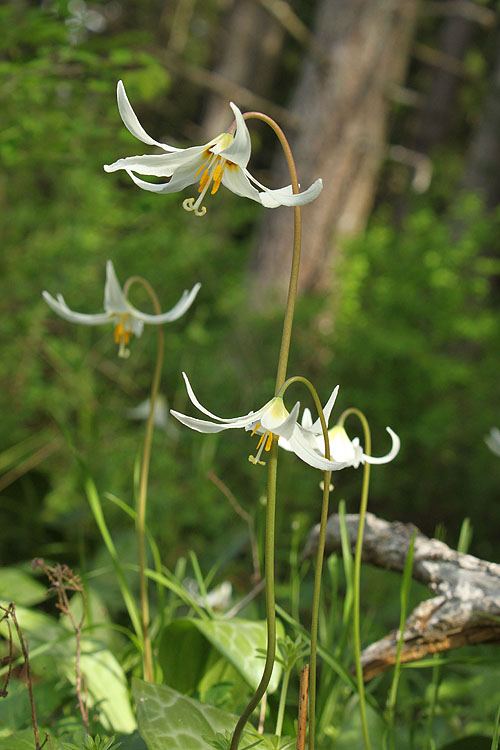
171	721
239	641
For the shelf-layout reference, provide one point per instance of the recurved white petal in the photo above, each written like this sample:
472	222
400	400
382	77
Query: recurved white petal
201	425
239	150
162	165
181	179
300	446
61	308
179	309
327	410
286	197
236	180
248	419
114	299
396	444
132	123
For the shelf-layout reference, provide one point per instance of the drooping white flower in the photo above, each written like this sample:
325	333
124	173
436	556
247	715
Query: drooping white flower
493	440
126	318
223	160
342	448
271	419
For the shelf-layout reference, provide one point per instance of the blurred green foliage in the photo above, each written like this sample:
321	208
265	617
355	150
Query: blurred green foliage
411	330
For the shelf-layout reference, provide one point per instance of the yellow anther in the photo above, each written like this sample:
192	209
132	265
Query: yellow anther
118	332
269	441
205	179
218	172
261	441
255	429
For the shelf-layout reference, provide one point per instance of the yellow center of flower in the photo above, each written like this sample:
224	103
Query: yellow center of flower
211	172
265	442
122	336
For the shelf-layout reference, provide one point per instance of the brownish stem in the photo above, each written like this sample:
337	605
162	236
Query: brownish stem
302	720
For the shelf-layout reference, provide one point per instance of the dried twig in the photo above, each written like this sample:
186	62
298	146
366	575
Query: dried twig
465	609
10	615
62	580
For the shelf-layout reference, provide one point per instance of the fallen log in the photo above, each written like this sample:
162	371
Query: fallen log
465	609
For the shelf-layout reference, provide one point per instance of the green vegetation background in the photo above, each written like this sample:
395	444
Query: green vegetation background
410	330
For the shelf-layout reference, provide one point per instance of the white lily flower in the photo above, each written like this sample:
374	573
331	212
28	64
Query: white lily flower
271	419
342	448
223	160
493	440
118	310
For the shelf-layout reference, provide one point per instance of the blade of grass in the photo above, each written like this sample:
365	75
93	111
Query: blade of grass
404	598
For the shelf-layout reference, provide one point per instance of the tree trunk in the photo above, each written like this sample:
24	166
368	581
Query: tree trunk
343	109
250	40
481	171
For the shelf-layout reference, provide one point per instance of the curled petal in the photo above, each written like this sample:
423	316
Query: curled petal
286	197
179	309
132	123
396	444
202	425
248	419
299	444
239	150
236	180
181	179
61	308
114	299
327	410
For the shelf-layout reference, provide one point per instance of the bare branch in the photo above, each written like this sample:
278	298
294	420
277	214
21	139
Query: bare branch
465	609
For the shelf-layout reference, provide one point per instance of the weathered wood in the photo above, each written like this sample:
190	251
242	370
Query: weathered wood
466	590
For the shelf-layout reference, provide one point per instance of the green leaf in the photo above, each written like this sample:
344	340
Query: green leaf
20	587
170	721
52	649
184	652
15	712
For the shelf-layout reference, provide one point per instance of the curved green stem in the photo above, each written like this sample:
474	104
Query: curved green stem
273	455
319	557
143	485
270	603
357	570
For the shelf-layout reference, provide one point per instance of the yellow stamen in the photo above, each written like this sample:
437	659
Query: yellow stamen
261	441
203	166
205	179
218	172
118	332
269	441
255	429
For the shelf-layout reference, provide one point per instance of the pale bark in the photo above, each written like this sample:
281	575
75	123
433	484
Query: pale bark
250	41
342	107
464	610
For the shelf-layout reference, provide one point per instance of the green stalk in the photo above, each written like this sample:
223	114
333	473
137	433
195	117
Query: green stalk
273	455
282	703
357	571
319	557
143	486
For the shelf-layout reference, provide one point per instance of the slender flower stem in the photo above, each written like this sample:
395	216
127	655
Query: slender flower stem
143	485
281	707
319	557
357	570
273	455
269	594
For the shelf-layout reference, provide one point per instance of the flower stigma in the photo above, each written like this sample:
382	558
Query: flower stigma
211	171
265	442
122	335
